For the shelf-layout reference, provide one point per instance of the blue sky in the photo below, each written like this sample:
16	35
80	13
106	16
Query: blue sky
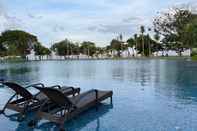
80	20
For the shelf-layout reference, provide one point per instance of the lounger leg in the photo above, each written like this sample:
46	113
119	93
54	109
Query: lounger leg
96	100
62	127
3	110
111	100
33	123
65	118
23	113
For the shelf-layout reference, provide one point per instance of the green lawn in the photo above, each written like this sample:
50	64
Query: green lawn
194	58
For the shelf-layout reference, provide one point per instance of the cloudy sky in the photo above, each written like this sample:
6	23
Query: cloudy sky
78	20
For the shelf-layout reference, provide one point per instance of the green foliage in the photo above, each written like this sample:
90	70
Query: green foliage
131	42
178	29
144	41
41	50
194	58
194	52
16	42
145	44
189	36
142	29
65	47
116	45
3	49
88	48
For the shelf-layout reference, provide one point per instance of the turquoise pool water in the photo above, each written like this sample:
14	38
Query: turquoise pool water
149	95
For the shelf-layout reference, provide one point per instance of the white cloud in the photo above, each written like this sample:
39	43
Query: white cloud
98	21
7	22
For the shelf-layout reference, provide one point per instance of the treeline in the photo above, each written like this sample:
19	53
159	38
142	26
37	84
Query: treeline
20	43
66	48
174	30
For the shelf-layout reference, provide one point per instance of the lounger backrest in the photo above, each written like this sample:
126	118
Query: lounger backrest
56	96
19	90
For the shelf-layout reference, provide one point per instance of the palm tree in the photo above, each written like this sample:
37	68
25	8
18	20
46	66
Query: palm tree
131	43
142	30
135	37
149	44
121	37
121	42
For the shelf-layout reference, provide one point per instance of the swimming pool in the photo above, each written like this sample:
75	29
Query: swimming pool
149	95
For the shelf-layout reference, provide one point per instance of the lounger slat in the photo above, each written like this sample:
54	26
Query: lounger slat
82	101
89	102
50	117
15	107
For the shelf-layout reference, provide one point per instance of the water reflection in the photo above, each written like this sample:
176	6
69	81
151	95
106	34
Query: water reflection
177	79
164	76
19	72
90	116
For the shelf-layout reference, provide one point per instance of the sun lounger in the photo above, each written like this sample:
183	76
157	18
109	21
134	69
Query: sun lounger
23	101
63	108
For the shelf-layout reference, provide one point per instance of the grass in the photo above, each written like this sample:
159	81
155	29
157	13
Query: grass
19	59
13	59
194	58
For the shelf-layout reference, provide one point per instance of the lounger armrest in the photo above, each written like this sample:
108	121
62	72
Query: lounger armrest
1	81
96	94
35	85
55	86
70	87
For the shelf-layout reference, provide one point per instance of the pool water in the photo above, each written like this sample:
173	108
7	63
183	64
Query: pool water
149	95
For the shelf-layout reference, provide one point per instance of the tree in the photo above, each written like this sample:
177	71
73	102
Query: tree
18	43
145	47
131	43
157	46
62	48
3	49
41	50
88	48
75	49
116	45
149	44
190	33
172	26
100	51
142	30
121	37
136	40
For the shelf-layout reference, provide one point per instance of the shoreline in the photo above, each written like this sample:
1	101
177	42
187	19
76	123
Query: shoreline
92	59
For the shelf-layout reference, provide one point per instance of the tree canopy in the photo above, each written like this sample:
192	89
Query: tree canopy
41	50
88	48
175	26
17	42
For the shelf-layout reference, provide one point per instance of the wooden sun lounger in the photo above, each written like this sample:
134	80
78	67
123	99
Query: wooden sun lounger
64	108
23	101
